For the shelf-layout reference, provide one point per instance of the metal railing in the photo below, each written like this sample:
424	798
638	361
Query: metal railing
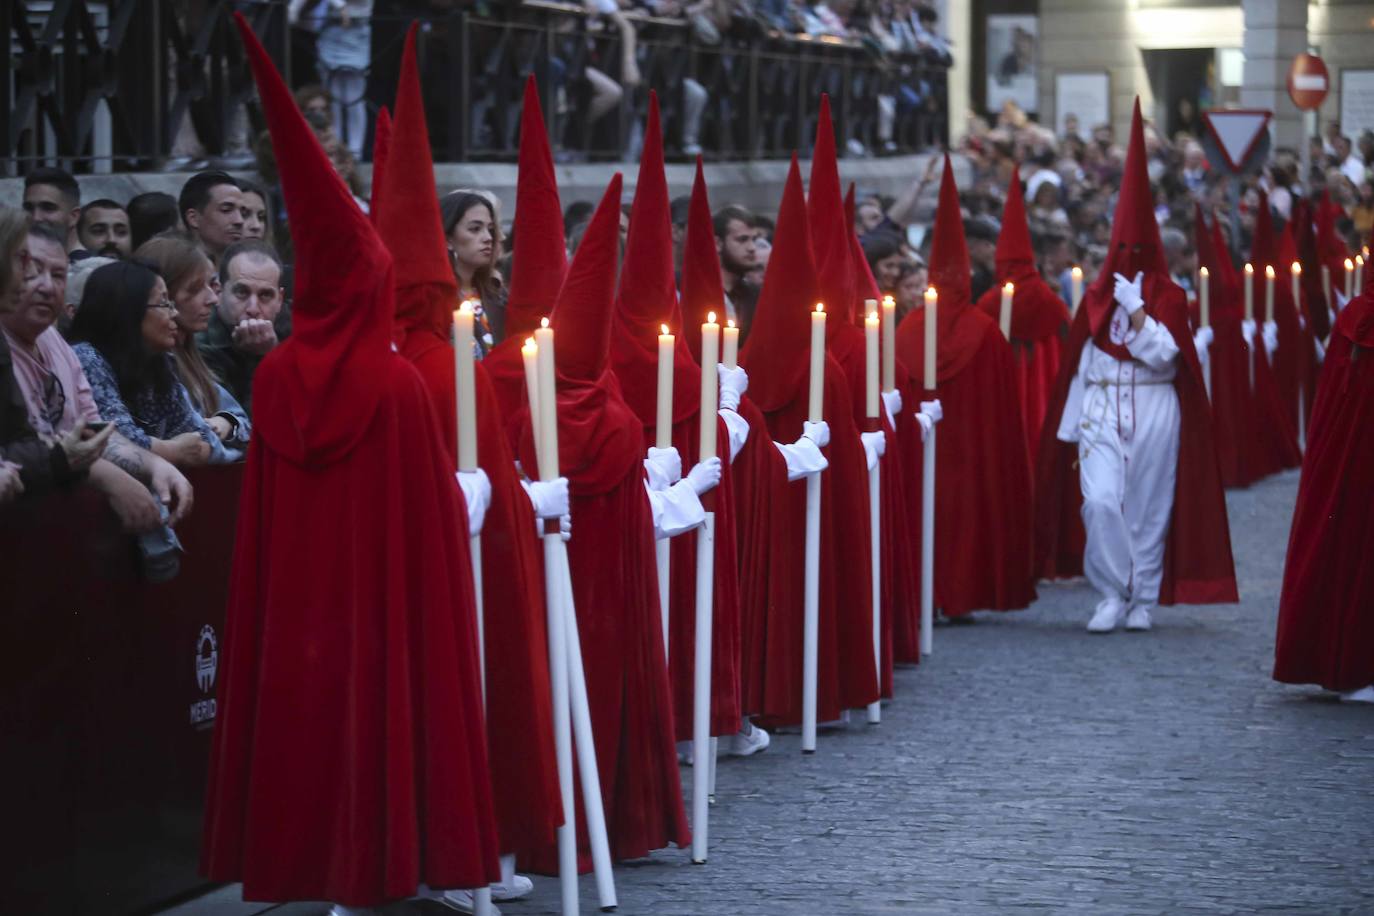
137	85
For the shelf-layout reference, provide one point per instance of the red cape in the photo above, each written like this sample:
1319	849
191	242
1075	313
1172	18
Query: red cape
983	502
1198	568
1326	611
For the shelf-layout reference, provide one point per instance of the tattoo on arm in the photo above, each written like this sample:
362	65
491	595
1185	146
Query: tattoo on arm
127	457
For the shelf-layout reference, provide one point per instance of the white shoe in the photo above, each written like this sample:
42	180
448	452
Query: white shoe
1108	614
1138	619
519	887
340	910
462	902
684	753
749	740
1363	695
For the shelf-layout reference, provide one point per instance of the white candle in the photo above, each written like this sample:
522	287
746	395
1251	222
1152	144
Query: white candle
889	331
710	355
1076	285
529	354
1004	317
1349	278
932	302
663	431
1296	271
1326	286
1204	298
1249	291
465	387
815	413
548	403
871	367
1359	275
730	351
1269	292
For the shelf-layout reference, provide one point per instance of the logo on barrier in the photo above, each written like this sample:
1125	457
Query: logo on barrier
207	665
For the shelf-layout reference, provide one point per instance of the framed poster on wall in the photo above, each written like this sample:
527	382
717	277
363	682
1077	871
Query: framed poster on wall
1357	102
1086	96
1012	57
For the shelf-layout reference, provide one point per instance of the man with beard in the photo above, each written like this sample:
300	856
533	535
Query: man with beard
103	229
738	256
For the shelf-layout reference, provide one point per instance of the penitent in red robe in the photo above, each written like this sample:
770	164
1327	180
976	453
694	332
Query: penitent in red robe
983	512
1326	612
347	763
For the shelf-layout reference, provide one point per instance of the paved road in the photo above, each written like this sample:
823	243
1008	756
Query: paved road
1031	765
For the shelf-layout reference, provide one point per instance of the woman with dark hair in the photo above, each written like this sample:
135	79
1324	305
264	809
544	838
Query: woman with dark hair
912	280
187	272
884	253
474	244
255	207
123	335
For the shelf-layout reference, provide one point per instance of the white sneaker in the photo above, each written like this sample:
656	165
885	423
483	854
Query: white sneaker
519	887
749	740
1108	614
462	902
1138	619
1363	695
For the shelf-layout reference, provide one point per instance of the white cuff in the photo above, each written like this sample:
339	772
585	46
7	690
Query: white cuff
676	510
738	429
477	494
803	457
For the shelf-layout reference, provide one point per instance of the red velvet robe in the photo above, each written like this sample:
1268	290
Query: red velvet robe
524	770
1326	611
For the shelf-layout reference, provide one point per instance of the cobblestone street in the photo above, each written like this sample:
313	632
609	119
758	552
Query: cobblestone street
1031	765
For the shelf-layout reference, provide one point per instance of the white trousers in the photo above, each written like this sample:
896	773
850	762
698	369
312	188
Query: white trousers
1128	461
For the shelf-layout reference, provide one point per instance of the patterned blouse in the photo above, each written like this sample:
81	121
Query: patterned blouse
151	415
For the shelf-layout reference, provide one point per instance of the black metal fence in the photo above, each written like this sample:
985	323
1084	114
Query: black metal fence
138	84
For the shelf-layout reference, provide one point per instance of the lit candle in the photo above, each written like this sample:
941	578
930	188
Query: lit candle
814	412
1004	318
1269	292
1076	287
1204	301
1296	271
710	355
1349	278
871	361
465	387
548	402
1359	274
730	350
932	301
529	353
889	332
663	431
1249	291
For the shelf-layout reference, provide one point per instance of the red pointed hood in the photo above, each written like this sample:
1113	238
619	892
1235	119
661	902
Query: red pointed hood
1264	248
776	351
960	328
583	313
320	390
1037	311
381	147
702	290
1223	293
829	233
539	261
1222	251
410	222
1287	250
647	297
1135	245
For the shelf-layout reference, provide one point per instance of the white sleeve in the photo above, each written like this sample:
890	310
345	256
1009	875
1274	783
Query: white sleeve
803	457
738	428
1153	345
675	510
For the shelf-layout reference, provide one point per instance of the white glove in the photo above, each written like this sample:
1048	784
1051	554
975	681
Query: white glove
705	476
549	498
1321	350
733	383
564	527
1271	337
1341	300
818	432
926	424
1127	292
892	400
933	410
477	494
1202	340
664	466
875	445
1247	330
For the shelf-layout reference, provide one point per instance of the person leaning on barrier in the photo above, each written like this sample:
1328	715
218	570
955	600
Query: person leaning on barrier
249	319
55	443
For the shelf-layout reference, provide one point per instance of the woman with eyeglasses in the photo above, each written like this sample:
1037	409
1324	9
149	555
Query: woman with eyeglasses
124	334
187	272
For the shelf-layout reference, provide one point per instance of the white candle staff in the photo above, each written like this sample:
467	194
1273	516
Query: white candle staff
663	438
1004	316
812	572
1250	317
1204	306
729	354
1268	293
1296	272
928	486
889	333
706	591
874	423
1076	289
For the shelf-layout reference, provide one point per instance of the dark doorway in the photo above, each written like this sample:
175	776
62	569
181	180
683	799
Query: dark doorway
1181	81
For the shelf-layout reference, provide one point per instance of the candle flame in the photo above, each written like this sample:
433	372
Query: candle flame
530	344
820	306
1349	264
930	292
710	317
1203	271
730	323
1077	272
1297	268
466	306
1269	271
1249	268
888	300
664	329
543	322
1009	288
873	316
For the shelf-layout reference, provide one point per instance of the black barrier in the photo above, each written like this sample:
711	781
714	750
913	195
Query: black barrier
107	702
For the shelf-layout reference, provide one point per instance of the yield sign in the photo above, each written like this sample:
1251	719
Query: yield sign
1236	131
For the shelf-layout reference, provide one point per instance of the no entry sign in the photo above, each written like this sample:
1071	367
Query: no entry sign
1308	82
